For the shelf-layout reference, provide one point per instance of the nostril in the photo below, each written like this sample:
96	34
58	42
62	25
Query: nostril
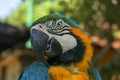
40	26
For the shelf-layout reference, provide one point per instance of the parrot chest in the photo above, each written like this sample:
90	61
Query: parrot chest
67	73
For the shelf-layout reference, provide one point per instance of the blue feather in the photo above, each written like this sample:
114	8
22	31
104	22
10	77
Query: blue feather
36	71
94	73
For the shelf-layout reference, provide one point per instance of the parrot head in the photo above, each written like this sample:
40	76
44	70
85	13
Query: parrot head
57	39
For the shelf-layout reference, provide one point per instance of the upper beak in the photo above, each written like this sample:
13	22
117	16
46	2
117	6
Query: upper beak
39	41
45	47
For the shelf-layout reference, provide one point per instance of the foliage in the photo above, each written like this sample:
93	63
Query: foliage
91	12
78	10
18	17
46	7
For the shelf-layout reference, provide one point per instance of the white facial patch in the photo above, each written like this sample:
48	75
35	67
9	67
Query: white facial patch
66	41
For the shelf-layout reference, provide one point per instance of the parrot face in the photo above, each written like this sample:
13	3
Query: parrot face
51	37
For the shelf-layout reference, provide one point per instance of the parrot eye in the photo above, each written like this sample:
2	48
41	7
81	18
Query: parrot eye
58	27
59	24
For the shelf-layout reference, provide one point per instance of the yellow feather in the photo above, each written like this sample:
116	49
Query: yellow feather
59	73
84	64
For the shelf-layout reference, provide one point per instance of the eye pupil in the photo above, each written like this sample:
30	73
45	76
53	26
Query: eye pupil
60	23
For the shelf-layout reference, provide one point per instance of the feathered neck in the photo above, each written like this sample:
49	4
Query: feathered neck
84	64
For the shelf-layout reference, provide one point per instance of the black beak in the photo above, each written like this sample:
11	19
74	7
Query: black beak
43	46
39	42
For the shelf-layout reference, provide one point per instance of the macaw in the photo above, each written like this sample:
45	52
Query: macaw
64	49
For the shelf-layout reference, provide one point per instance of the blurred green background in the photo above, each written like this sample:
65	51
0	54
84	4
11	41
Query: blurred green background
100	18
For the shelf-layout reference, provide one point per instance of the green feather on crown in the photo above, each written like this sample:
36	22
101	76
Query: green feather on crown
56	17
